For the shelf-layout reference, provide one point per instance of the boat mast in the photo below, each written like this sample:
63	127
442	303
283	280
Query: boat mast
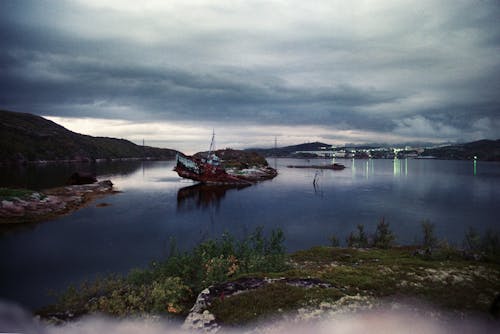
212	145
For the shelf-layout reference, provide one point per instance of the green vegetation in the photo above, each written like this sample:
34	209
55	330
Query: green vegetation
334	241
272	299
8	193
383	238
359	239
171	286
398	272
429	239
486	247
237	159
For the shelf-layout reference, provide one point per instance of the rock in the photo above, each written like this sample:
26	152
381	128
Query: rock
106	183
36	196
202	302
12	209
81	178
40	206
204	322
7	204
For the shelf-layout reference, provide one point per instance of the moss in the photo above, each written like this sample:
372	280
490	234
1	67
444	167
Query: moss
445	278
397	271
8	193
267	302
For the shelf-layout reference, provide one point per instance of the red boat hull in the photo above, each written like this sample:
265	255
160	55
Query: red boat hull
207	173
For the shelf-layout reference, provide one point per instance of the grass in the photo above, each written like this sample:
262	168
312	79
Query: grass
9	193
446	277
454	284
397	271
172	285
267	302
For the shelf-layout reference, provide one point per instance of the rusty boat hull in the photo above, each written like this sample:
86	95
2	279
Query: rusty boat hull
204	172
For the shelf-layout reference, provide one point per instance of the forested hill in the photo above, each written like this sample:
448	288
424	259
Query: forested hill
289	150
26	137
488	150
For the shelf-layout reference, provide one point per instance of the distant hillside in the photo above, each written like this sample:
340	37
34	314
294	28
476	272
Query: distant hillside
488	150
27	137
289	150
237	158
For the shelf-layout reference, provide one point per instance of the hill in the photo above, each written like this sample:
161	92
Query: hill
488	150
485	150
289	150
237	158
26	137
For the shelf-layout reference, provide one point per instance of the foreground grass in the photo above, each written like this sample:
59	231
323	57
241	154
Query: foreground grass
444	278
170	287
268	301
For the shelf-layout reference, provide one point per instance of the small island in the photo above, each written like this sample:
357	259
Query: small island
28	206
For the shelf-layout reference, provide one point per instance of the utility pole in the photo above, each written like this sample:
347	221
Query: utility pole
275	152
275	145
143	150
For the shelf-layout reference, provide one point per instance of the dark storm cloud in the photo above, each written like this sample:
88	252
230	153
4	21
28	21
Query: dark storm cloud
412	68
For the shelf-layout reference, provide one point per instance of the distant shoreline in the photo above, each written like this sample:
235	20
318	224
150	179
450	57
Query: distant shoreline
76	161
102	160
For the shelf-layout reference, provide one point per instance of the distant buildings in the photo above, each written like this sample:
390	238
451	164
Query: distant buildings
362	153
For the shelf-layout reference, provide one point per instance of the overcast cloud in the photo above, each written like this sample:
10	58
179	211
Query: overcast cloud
337	71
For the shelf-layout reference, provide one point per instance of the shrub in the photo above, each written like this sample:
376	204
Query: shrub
359	239
215	261
487	246
490	246
429	240
171	285
383	237
472	241
334	241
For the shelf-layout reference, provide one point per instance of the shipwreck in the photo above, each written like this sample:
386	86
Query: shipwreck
209	167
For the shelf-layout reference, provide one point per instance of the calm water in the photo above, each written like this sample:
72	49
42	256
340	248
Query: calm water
156	205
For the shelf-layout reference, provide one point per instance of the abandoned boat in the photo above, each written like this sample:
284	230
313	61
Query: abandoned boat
206	170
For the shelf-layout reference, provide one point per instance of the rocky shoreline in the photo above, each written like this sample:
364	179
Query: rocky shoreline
48	204
254	174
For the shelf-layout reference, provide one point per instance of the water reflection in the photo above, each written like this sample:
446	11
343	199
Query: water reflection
42	176
400	167
202	196
362	168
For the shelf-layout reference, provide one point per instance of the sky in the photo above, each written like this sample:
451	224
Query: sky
171	72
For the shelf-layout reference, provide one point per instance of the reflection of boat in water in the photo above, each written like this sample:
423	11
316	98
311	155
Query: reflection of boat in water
202	196
334	166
